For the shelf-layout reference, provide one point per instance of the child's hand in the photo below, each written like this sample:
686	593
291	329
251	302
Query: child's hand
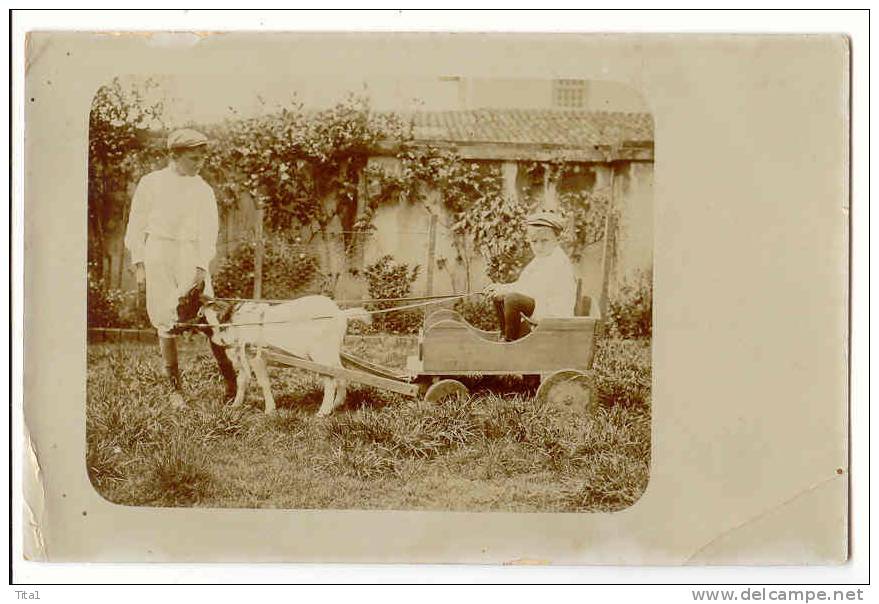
140	273
200	276
493	289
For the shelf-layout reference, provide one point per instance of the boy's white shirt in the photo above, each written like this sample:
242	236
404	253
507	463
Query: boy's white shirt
550	281
171	206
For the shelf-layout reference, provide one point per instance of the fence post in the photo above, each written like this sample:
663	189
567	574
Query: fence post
607	260
431	254
609	251
258	252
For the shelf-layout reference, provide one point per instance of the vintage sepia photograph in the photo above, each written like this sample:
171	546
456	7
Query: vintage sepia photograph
397	293
422	298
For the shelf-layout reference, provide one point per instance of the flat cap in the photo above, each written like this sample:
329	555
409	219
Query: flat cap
186	139
546	219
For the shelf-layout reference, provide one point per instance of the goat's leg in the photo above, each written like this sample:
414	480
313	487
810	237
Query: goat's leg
262	376
243	376
227	370
335	388
326	407
341	393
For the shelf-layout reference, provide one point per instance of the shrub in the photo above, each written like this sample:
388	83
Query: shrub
110	307
479	312
133	314
288	270
104	305
631	310
386	278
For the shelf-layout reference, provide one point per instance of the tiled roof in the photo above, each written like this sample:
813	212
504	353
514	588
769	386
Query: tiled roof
544	127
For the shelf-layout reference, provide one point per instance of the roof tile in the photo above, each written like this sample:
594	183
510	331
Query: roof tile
546	127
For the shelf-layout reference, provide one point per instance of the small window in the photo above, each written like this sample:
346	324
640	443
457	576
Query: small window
569	93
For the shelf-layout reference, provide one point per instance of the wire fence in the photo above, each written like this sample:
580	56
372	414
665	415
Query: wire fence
111	335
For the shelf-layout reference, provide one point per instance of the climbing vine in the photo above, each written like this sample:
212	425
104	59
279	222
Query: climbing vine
584	210
293	160
121	150
470	192
302	167
311	173
483	214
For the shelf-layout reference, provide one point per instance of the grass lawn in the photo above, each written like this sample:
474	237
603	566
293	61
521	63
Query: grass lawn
497	449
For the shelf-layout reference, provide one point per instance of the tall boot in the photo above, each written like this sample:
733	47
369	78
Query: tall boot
168	348
226	370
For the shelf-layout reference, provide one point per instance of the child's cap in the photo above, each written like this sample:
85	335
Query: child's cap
186	138
546	219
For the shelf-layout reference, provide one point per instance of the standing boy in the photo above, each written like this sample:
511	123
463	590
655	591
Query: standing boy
172	235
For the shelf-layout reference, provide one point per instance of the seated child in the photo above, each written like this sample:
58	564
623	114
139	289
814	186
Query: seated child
545	288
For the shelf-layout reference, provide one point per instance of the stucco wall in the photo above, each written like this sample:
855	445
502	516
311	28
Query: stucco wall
633	183
402	231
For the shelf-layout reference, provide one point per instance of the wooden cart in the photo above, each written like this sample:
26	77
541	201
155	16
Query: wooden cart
559	351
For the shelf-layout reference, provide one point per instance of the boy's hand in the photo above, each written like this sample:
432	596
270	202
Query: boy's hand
493	289
200	276
139	273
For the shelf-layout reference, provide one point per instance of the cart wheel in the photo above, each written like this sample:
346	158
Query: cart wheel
571	390
423	387
444	389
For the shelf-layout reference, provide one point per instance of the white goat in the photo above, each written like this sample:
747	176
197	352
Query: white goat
311	328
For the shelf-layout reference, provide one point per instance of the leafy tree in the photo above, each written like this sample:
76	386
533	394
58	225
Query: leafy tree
121	149
303	167
483	217
309	171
